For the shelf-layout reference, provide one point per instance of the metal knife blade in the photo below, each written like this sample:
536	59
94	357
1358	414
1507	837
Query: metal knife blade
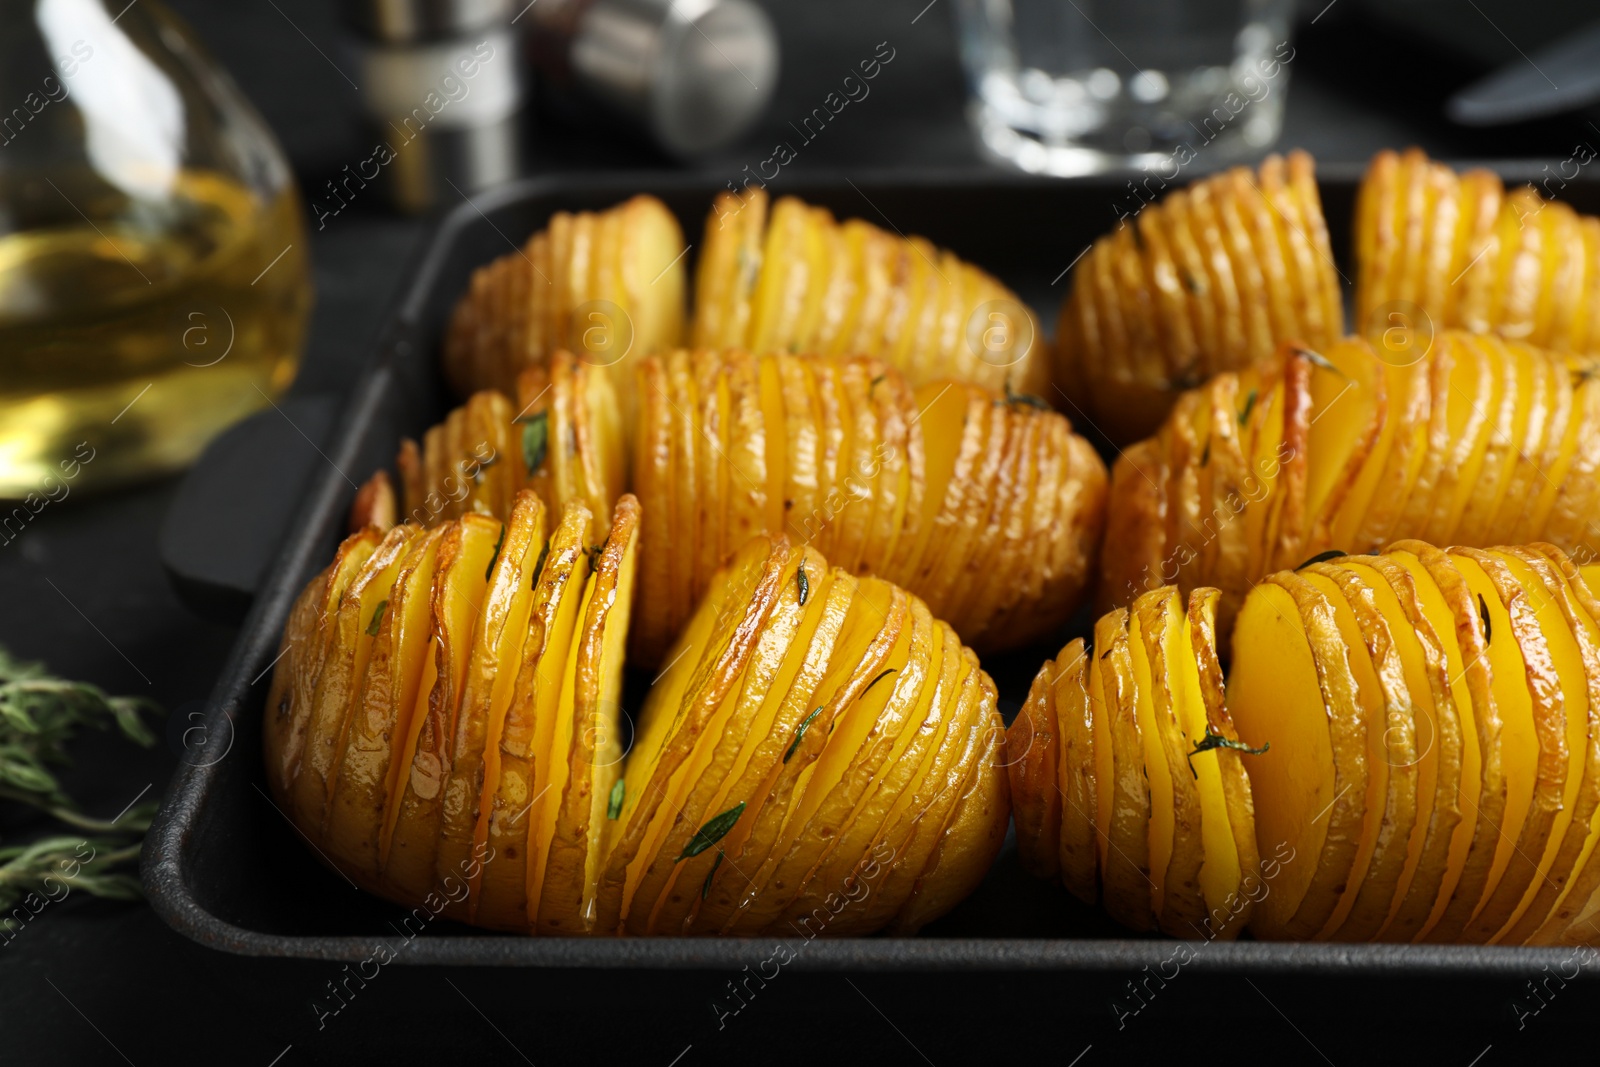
1557	78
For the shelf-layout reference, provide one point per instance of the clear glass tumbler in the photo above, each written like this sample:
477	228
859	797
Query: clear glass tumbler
1075	86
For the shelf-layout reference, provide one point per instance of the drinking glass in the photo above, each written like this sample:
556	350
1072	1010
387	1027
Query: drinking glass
1075	86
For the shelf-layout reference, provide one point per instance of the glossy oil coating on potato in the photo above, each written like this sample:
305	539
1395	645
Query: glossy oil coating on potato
819	756
1433	768
1407	749
1439	250
445	726
792	278
1127	778
1211	278
936	489
1471	440
599	284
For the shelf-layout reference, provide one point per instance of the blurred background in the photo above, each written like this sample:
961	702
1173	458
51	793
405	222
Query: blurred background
85	588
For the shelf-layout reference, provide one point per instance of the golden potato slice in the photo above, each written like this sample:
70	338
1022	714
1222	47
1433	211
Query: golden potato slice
1047	745
1310	782
876	266
679	712
1128	886
651	276
1570	632
1436	730
772	774
1238	871
378	724
803	490
1560	291
1261	223
730	262
833	429
1541	436
778	304
745	488
1508	427
1350	410
299	633
472	775
413	813
1392	779
1185	454
288	730
875	638
1519	262
974	832
836	299
1567	921
1181	344
1397	479
1533	748
1169	707
1245	260
915	843
1449	605
857	470
1005	536
848	816
1135	541
515	812
776	697
593	741
1568	505
1052	764
1377	233
671	881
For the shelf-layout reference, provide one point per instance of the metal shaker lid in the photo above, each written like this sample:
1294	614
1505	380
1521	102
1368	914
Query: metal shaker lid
694	73
410	21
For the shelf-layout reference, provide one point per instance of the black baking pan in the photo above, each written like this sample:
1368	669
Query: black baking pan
222	866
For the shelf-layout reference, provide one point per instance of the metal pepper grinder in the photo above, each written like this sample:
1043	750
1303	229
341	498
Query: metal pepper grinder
690	74
442	86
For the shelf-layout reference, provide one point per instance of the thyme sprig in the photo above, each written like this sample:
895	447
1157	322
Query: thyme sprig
39	715
1015	400
1213	740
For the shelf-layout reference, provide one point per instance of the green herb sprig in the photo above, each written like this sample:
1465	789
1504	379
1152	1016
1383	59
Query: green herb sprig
39	715
712	832
535	439
1213	740
1026	400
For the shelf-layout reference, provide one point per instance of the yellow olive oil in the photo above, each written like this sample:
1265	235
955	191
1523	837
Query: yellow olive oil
133	332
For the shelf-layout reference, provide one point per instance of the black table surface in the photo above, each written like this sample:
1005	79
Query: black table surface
93	982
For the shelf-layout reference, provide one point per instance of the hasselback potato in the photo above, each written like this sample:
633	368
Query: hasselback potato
1478	441
1120	786
445	721
1213	277
1437	250
796	280
600	284
1421	734
931	488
